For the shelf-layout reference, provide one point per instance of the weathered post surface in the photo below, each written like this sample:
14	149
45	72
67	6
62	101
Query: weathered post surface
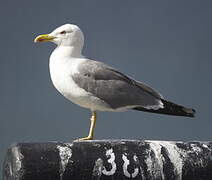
109	160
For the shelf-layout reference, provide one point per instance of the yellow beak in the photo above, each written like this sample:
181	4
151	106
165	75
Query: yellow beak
44	38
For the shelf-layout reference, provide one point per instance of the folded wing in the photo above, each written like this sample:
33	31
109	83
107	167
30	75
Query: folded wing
115	88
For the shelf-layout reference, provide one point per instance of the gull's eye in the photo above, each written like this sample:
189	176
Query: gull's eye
63	32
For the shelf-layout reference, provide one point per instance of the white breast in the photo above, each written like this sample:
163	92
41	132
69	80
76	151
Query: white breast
61	71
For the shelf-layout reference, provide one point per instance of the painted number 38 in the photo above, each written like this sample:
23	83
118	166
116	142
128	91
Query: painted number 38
111	160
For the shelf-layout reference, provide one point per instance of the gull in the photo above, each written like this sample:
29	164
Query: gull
94	85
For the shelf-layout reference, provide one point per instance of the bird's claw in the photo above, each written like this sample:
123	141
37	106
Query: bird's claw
85	138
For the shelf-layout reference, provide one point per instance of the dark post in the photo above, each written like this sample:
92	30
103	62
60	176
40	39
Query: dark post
109	160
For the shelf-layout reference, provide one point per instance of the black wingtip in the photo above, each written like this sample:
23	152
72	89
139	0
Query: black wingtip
170	109
189	112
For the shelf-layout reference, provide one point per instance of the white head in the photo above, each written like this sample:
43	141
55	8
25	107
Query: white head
65	35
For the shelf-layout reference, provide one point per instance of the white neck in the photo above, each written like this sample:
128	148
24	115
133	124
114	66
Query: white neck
67	51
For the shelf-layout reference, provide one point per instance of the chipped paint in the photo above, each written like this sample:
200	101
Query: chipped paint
205	146
110	154
65	153
135	158
176	155
155	160
155	165
18	158
126	164
195	148
175	158
98	167
10	169
128	159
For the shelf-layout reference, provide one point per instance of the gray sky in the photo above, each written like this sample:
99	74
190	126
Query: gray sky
166	44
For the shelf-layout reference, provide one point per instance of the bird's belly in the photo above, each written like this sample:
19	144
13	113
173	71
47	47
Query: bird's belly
69	89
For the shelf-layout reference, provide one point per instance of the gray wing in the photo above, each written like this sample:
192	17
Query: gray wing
113	87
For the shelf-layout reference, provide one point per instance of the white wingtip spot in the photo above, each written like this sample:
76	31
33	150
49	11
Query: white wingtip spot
65	153
156	107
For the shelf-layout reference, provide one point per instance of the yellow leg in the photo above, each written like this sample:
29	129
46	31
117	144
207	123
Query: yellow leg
91	132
